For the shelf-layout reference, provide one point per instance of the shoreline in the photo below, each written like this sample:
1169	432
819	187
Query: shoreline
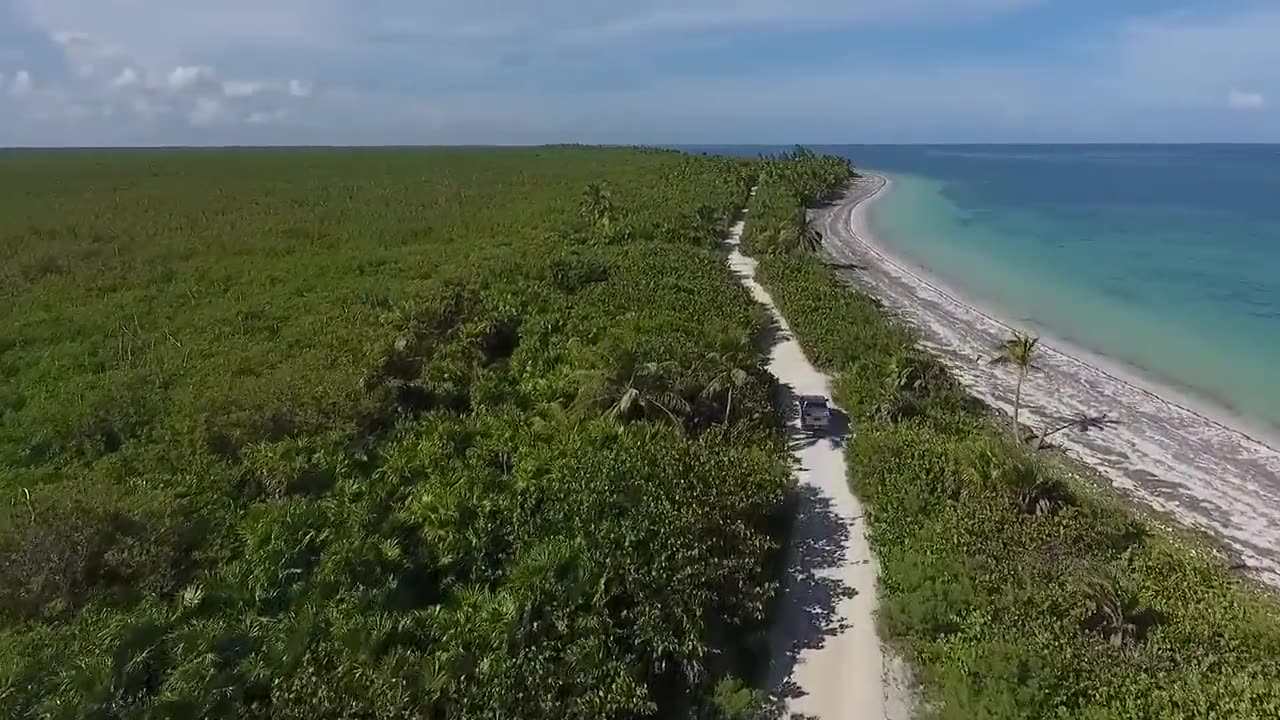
1163	390
1206	467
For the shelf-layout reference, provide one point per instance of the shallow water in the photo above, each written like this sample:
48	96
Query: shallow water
1165	258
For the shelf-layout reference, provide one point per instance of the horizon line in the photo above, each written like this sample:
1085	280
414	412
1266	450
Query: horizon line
677	146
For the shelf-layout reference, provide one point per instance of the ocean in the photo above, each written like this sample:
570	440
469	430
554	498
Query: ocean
1163	258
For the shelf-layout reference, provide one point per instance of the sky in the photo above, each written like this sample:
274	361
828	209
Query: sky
248	72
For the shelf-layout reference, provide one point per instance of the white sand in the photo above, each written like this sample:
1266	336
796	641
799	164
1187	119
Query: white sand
1170	452
827	658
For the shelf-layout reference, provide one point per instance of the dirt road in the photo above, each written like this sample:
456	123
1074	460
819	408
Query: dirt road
828	662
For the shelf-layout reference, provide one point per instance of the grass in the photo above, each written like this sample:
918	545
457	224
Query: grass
299	434
1016	591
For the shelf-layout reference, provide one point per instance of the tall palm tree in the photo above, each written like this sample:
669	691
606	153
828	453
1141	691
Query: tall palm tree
1019	350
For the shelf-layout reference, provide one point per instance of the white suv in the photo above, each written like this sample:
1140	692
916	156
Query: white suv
815	414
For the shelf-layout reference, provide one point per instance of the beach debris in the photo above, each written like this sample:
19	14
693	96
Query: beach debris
1084	422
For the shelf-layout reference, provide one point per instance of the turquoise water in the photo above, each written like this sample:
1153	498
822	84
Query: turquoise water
1165	258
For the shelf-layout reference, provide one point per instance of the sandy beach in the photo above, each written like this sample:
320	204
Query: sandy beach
1169	451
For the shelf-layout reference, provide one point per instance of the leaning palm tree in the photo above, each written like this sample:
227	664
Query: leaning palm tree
1019	350
631	390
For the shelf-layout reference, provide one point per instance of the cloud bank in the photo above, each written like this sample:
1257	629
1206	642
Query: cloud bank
650	71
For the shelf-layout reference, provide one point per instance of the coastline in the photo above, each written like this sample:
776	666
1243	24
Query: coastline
1202	465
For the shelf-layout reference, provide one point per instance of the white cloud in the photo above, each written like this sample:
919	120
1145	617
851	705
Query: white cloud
449	30
1184	61
456	67
127	78
266	117
1238	100
146	108
189	77
236	89
102	82
207	112
21	83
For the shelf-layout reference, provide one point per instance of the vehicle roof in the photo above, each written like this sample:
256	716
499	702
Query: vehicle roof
813	399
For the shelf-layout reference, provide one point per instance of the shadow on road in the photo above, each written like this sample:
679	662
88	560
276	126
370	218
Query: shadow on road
807	613
771	334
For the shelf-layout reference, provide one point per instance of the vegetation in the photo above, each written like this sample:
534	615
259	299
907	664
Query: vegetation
380	434
779	222
1016	590
1018	351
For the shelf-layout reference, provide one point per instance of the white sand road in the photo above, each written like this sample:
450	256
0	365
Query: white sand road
828	662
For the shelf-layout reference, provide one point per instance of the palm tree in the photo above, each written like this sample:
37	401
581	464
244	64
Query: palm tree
1019	350
1111	616
731	369
710	222
632	390
597	205
800	234
1035	491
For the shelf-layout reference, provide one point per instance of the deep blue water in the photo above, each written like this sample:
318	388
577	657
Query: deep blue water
1166	258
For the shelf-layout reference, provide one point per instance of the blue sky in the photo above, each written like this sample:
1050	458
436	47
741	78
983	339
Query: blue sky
145	72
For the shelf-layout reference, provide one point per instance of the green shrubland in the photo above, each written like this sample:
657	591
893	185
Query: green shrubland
380	434
486	434
1016	589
